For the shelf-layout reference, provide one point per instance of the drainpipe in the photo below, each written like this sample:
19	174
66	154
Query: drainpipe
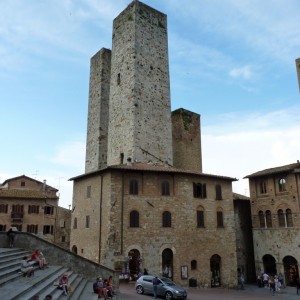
100	217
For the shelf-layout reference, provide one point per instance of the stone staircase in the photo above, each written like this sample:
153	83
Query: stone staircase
14	286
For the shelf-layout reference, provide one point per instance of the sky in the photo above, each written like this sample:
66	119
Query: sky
231	61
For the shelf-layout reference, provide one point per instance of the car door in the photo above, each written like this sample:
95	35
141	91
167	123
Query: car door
147	284
161	288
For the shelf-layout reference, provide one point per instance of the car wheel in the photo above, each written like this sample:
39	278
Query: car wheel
168	296
139	289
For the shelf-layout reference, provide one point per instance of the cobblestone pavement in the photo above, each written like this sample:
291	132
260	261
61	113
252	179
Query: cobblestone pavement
250	292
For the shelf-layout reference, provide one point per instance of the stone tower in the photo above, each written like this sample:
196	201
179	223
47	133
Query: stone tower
139	105
98	110
186	140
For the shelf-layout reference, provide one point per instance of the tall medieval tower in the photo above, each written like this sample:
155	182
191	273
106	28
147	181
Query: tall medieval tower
139	108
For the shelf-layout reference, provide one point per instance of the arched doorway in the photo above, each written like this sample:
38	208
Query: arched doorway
269	264
74	249
291	271
167	263
134	263
215	268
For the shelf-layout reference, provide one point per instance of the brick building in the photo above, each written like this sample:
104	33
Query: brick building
32	206
275	209
143	201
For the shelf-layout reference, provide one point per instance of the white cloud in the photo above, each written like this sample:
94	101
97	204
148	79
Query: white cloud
242	72
241	146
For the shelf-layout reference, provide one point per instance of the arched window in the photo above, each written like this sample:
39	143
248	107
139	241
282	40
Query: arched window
75	223
218	192
194	265
269	219
289	218
166	219
133	187
282	185
281	220
134	219
200	217
261	219
220	223
165	188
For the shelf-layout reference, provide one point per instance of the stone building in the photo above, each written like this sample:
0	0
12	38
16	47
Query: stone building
32	206
275	195
143	201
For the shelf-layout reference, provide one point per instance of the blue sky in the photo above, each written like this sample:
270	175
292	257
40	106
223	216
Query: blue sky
231	61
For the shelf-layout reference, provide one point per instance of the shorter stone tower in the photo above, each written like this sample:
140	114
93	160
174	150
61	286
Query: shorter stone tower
186	140
98	111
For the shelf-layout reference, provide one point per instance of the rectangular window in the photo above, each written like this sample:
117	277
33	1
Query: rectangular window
23	183
87	222
218	192
3	208
33	209
199	190
63	239
62	223
88	191
48	229
48	210
18	226
32	229
263	187
2	227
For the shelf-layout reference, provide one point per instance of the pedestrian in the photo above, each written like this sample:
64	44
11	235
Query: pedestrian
242	280
280	278
11	233
258	280
48	297
272	285
265	280
298	285
63	283
155	283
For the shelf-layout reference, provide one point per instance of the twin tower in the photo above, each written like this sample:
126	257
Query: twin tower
129	113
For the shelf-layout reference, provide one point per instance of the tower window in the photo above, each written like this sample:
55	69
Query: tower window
218	192
119	79
133	187
199	190
165	188
282	185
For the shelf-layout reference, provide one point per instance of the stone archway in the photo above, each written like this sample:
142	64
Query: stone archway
269	264
291	271
134	263
215	268
74	249
167	263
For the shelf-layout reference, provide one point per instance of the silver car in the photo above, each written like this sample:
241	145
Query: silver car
166	287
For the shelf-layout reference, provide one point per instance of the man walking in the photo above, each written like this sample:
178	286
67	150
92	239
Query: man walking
155	283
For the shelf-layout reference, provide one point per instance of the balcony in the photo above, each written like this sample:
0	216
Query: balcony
17	216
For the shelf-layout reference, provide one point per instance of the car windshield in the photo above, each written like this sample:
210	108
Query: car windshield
167	281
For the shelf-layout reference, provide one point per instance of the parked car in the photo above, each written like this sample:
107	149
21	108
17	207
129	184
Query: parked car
166	287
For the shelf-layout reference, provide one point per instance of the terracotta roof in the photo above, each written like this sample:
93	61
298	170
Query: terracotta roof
29	178
292	168
151	168
26	194
237	196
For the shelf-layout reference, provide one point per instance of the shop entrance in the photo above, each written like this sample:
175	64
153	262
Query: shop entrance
215	268
291	271
167	263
